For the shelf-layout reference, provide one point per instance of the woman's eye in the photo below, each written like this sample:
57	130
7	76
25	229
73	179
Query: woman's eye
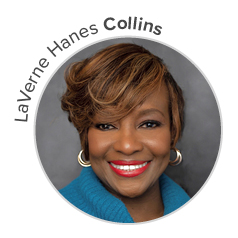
104	127
150	124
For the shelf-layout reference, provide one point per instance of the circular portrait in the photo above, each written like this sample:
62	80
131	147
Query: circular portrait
128	130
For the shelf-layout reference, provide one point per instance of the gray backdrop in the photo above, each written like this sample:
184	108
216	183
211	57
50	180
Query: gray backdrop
58	142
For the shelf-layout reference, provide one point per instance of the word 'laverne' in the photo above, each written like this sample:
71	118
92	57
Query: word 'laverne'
30	87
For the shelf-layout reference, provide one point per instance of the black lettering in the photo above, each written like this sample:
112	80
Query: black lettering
26	99
83	31
65	42
106	26
23	108
52	51
30	79
29	87
148	23
157	31
135	19
42	62
22	119
140	24
71	36
34	72
129	23
93	29
119	24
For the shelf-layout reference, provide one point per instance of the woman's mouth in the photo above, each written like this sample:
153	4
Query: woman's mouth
129	168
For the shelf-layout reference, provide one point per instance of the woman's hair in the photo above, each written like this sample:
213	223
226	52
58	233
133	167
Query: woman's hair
118	78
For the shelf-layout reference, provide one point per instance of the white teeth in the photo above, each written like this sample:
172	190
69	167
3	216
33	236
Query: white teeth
129	167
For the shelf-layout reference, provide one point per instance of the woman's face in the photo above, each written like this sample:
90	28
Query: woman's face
129	155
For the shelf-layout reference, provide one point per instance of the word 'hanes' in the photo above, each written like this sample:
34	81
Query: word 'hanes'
132	24
67	42
30	87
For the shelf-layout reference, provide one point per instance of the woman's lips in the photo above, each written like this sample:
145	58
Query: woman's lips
129	168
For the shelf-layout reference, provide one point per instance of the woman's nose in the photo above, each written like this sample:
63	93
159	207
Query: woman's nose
127	142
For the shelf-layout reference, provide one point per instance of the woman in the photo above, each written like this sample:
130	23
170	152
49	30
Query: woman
128	111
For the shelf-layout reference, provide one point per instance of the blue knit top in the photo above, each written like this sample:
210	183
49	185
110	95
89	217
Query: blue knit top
89	195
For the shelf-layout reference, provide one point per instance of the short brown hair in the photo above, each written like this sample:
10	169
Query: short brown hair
118	77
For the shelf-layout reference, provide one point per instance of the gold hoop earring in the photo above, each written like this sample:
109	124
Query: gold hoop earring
81	161
178	159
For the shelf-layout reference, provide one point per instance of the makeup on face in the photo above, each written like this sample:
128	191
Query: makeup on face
130	154
129	168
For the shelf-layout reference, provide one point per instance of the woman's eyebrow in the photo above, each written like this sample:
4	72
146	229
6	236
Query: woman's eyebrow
150	111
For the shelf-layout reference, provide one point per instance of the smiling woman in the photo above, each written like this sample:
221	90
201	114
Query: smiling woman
128	111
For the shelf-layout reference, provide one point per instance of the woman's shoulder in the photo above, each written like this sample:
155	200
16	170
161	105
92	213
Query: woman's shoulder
172	194
88	194
82	182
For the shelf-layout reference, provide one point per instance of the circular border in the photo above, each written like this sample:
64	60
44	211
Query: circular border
145	38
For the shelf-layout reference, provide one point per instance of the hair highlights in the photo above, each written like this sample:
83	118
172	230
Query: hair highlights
119	77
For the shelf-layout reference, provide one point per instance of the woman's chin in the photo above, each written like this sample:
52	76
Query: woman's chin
129	191
130	194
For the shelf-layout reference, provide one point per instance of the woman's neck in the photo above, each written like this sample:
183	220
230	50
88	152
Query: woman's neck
146	207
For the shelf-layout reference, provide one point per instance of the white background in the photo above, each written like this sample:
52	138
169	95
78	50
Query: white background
204	31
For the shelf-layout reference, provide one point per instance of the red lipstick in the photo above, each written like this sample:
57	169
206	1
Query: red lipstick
129	168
